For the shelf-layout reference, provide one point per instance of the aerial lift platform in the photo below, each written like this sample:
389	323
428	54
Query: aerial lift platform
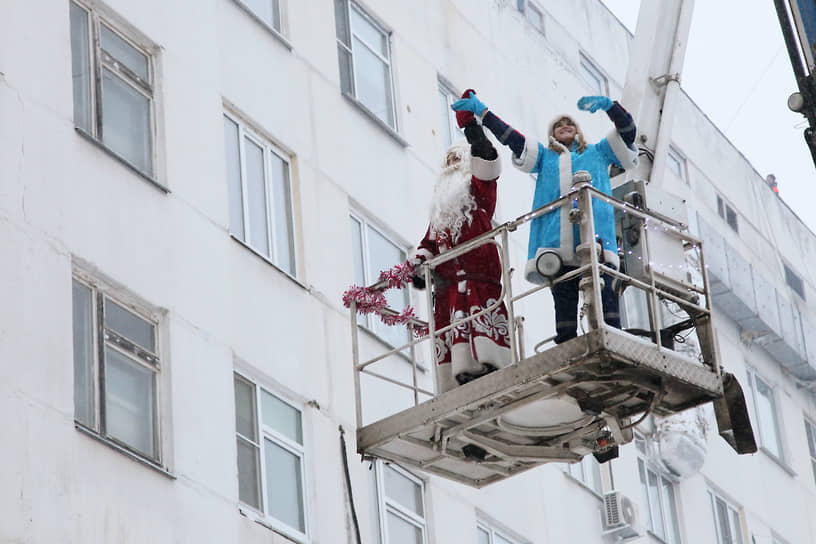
612	379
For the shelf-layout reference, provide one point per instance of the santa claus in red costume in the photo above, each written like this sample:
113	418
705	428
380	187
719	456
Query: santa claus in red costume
463	204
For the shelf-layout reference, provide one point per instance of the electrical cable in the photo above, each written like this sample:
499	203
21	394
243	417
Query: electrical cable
348	484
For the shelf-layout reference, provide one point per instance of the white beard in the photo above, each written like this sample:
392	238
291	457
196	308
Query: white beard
453	203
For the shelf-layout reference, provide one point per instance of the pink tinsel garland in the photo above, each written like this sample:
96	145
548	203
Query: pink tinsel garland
373	302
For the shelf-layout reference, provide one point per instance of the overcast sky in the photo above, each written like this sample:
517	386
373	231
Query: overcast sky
738	72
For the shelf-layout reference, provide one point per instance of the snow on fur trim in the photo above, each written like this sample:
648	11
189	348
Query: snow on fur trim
484	169
627	156
529	157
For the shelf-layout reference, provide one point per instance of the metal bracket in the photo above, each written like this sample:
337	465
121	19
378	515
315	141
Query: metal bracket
662	81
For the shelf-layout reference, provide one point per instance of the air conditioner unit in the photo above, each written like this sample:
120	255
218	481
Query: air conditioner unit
620	517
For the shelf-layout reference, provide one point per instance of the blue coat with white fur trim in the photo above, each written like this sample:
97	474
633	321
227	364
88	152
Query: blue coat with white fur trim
553	231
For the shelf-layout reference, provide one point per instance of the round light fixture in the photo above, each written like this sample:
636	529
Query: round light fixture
796	102
548	264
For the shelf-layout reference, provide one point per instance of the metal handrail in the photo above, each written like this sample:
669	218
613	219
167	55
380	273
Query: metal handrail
582	192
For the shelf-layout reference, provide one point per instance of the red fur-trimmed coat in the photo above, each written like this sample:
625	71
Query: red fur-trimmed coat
467	284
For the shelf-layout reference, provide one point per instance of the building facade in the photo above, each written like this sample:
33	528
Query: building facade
189	187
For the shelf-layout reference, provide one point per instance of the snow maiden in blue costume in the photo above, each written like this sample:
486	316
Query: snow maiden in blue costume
565	153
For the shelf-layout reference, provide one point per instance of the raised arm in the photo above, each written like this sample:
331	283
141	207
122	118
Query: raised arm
504	133
624	123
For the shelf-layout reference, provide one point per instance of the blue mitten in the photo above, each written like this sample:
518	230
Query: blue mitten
594	103
470	104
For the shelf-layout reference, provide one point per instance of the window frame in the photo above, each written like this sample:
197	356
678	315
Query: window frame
348	6
445	92
777	422
580	470
280	33
727	213
533	6
268	148
100	60
681	162
262	515
648	465
732	511
386	505
103	338
368	321
492	532
586	67
810	436
794	281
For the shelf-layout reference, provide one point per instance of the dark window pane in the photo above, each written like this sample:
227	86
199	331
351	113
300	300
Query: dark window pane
284	487
282	208
245	409
126	121
248	474
129	402
235	192
84	405
81	68
131	326
256	197
123	52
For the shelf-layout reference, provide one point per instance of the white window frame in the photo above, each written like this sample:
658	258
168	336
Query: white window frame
98	59
587	472
810	434
299	450
734	519
349	48
368	321
103	337
451	129
492	533
386	505
529	7
648	465
245	131
764	441
674	157
278	9
588	69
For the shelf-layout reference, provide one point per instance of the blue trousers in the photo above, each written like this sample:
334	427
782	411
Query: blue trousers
565	296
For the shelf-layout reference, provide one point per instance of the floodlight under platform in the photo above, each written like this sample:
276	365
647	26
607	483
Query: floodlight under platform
614	377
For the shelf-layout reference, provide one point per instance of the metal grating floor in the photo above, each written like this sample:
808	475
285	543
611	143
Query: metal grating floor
614	375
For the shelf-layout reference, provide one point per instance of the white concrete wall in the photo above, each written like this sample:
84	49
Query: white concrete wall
65	203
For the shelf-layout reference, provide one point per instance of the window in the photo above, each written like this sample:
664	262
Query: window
767	422
592	76
450	130
677	164
116	369
727	525
588	472
535	16
113	83
488	535
363	48
398	505
267	11
374	252
657	494
260	195
727	212
810	430
794	281
271	471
